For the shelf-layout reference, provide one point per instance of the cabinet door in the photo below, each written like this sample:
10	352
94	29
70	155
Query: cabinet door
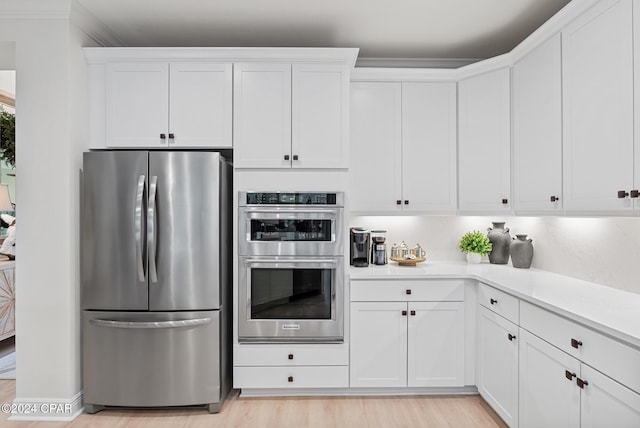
137	110
606	403
436	344
429	147
262	115
548	395
200	104
497	375
484	143
537	129
320	114
376	144
597	56
378	344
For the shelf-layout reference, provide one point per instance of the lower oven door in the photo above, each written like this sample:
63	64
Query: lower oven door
291	299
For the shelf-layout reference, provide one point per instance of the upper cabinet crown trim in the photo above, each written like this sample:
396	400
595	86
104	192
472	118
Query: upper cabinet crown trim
294	55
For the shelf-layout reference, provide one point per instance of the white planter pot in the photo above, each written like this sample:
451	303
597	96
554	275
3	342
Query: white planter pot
474	258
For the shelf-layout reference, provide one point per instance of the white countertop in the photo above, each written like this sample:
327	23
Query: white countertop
609	310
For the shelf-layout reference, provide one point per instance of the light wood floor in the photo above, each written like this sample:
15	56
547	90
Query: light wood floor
352	412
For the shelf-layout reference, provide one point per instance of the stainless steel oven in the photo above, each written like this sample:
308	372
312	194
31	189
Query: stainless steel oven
291	267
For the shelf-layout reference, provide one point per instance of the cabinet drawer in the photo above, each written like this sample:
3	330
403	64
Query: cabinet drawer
291	355
611	357
407	290
501	303
291	377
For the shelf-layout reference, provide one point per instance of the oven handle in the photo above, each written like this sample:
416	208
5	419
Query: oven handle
323	262
252	211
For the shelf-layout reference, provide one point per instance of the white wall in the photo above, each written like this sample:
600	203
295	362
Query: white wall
602	250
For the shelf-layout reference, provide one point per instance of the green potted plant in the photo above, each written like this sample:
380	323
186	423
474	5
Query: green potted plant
8	137
475	244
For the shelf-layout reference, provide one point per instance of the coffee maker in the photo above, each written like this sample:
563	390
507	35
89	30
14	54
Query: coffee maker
378	247
359	245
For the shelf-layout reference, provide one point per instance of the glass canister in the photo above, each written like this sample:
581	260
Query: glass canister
395	251
418	251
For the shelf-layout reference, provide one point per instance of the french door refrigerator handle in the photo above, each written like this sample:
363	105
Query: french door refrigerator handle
138	227
151	229
150	324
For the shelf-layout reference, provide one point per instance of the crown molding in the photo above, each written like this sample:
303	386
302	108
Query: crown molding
371	74
430	63
92	26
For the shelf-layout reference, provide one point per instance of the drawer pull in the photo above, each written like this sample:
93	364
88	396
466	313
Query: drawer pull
554	198
511	336
576	343
404	313
493	301
286	157
398	202
622	194
581	383
413	313
569	375
408	291
291	356
290	379
634	194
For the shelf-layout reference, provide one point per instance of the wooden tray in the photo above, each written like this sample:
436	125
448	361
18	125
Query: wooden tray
408	262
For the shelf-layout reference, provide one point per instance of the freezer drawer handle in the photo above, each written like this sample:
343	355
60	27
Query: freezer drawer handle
150	324
151	228
138	228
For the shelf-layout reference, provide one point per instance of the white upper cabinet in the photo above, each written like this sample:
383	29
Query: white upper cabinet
403	147
597	59
537	129
156	104
291	116
484	143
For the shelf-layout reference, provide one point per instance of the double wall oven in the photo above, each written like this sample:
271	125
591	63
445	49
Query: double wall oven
291	267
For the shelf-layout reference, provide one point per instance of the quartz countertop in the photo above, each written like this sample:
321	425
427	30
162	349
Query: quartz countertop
606	309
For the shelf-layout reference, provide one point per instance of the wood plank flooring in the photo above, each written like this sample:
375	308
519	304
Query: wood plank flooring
323	412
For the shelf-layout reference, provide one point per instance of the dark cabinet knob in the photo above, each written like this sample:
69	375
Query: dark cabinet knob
581	383
554	198
569	375
634	193
407	291
406	202
290	379
505	201
622	194
398	202
171	136
413	313
163	136
511	336
286	157
404	313
291	356
295	157
576	343
493	301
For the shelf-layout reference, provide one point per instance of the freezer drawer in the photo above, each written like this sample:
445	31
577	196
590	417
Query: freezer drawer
154	359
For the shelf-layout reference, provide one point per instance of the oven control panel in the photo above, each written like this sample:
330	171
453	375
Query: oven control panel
291	198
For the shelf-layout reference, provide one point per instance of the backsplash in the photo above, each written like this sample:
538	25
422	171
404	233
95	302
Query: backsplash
601	250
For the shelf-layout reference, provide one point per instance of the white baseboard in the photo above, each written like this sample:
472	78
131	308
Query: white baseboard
354	392
44	409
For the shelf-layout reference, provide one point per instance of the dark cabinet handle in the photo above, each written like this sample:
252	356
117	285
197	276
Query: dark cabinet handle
398	202
511	336
581	383
576	343
505	201
163	136
493	301
569	375
407	291
171	136
404	313
622	194
290	379
291	356
295	157
413	313
634	193
554	198
406	202
286	157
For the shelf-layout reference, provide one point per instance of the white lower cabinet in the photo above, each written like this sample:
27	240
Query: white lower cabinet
406	343
497	356
557	390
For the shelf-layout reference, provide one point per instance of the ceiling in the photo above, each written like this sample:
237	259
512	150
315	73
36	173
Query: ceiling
414	29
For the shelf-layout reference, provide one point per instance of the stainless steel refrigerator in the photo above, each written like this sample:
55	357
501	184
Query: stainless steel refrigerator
156	279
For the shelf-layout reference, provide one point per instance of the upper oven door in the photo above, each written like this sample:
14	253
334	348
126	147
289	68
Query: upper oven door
290	231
